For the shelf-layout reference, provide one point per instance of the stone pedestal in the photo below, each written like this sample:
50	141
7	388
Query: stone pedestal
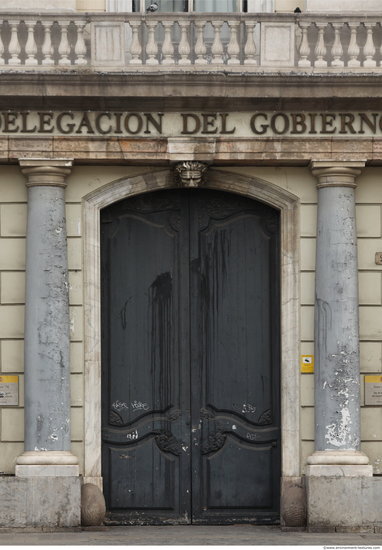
47	374
344	504
40	502
337	378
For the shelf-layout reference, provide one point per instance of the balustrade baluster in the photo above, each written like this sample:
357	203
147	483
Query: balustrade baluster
167	46
250	46
304	50
2	61
380	49
233	48
14	44
353	50
320	50
200	47
151	47
64	47
135	48
184	44
369	47
47	49
337	50
80	47
31	46
217	49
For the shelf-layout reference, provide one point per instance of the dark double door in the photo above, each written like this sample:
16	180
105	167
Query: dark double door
190	360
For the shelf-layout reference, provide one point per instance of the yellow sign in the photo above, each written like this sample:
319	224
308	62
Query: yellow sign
307	364
373	379
9	379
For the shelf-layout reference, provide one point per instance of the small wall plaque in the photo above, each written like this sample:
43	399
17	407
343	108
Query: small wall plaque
373	390
378	258
307	364
9	390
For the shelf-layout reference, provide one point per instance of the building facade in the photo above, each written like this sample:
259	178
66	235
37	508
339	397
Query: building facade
190	262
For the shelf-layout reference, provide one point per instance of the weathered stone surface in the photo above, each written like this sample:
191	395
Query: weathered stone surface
363	529
161	149
293	502
40	502
93	506
344	503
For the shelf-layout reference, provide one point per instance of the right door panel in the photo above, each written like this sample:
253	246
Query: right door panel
234	359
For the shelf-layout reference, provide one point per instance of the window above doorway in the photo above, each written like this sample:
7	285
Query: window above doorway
191	5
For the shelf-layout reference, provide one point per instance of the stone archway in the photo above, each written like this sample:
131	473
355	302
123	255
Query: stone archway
255	188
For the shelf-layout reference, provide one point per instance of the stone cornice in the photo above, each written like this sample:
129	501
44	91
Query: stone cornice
191	85
220	151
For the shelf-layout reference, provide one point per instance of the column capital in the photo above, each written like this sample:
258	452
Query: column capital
42	172
336	173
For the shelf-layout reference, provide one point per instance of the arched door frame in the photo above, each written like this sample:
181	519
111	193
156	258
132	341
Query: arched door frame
255	188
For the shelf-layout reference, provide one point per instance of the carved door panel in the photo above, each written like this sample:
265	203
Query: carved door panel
145	355
234	360
190	359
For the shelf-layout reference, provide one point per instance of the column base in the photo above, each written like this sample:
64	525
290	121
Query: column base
339	470
343	503
338	464
40	502
47	464
338	485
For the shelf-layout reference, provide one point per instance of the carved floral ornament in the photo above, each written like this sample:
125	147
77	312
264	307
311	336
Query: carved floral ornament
190	173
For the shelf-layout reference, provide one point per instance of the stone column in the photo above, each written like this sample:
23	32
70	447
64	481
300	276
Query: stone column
47	373
337	378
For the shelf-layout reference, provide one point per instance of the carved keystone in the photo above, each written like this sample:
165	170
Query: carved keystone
190	173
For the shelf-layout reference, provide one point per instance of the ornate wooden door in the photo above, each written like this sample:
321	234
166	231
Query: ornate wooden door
190	360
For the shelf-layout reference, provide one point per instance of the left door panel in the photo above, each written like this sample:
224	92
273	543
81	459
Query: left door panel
146	411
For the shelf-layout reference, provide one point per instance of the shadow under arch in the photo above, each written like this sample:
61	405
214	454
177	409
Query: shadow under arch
252	187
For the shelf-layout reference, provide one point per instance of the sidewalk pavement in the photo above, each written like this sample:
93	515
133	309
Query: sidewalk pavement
235	535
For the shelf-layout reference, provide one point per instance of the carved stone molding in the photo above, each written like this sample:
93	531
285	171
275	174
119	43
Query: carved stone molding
190	173
42	172
336	173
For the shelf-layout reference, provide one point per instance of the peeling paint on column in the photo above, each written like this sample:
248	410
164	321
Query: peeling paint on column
337	386
47	375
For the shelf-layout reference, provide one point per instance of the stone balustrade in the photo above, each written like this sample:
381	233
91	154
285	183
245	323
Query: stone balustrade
340	42
169	41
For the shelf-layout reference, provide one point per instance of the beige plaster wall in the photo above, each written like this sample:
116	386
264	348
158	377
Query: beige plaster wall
57	5
343	5
289	5
91	5
82	181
